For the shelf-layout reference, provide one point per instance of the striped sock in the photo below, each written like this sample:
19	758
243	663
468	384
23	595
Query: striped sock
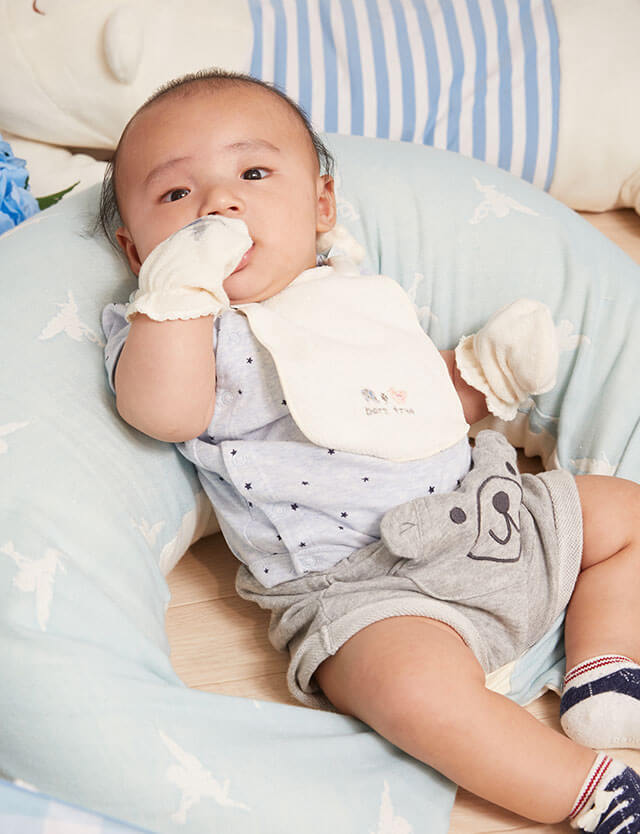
600	704
609	800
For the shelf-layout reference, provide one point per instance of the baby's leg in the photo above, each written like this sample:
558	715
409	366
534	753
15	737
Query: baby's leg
601	699
416	683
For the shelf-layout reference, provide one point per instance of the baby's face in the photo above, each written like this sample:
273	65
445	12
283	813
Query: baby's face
238	152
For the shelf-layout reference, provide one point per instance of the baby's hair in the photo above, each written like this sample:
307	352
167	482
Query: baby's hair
215	79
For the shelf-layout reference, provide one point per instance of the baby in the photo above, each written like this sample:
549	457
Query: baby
400	566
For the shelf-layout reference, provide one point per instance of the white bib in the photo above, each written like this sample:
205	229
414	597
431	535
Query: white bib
358	372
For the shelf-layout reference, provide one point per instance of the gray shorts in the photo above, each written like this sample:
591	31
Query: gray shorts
497	560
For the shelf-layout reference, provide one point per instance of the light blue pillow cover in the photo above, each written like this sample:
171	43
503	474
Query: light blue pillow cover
92	511
24	811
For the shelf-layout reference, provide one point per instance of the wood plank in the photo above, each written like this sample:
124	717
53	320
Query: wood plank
221	640
206	571
269	687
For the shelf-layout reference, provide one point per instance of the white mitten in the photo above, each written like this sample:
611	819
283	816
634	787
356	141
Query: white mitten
182	277
513	356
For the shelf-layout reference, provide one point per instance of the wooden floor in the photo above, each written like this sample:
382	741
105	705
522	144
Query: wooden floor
219	641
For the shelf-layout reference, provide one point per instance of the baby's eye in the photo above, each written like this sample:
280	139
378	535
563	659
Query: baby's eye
175	194
255	174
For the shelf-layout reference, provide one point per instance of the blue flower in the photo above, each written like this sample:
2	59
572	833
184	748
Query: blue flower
16	201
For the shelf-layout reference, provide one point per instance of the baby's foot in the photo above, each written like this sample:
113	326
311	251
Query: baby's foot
609	802
600	704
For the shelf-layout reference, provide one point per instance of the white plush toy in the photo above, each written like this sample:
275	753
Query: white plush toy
73	73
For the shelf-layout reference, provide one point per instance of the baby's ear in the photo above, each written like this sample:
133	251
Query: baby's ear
326	219
125	241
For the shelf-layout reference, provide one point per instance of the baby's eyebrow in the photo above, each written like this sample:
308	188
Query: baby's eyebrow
163	166
251	144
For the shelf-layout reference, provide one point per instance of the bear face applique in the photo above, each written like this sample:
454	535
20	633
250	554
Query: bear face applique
454	537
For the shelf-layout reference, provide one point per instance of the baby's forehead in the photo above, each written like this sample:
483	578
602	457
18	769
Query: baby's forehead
160	116
253	99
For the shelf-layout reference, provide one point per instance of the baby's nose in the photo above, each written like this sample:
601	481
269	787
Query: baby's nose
224	202
232	208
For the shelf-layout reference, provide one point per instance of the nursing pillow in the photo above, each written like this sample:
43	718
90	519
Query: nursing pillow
94	514
525	85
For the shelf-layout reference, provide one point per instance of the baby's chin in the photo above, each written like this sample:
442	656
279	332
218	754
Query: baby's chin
244	287
241	290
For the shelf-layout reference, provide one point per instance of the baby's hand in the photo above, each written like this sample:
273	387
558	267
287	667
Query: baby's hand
182	277
513	356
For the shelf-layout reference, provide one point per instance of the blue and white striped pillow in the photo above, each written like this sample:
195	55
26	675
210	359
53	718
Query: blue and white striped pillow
476	76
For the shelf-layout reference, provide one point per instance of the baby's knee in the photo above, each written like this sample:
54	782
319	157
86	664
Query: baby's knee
625	498
634	510
624	503
611	517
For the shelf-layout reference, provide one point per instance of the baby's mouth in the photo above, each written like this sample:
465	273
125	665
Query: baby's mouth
244	260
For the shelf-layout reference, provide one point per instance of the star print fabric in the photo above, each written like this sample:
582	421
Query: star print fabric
286	506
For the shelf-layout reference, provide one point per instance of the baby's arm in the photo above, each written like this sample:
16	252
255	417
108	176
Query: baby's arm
165	377
474	402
